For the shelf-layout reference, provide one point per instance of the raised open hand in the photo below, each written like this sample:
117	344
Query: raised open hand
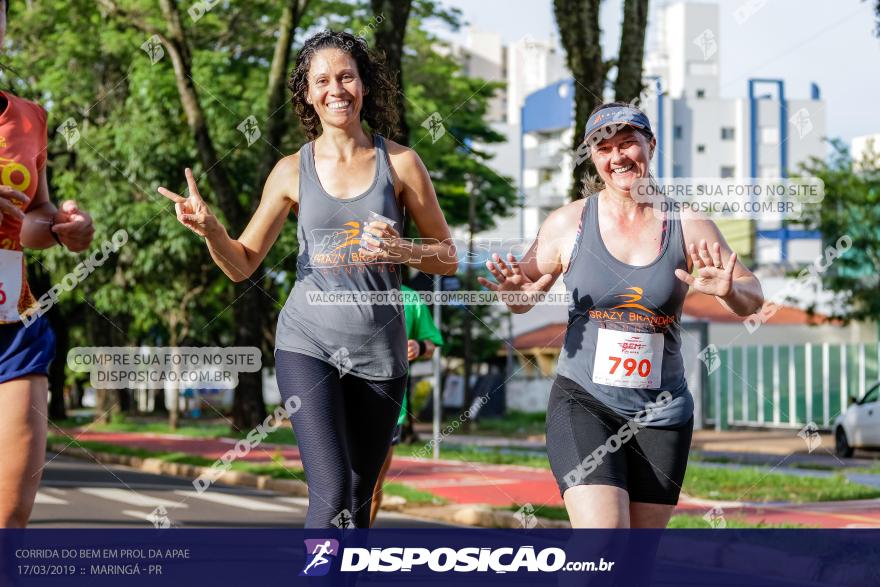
714	276
514	288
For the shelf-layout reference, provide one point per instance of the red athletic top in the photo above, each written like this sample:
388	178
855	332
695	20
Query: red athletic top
22	156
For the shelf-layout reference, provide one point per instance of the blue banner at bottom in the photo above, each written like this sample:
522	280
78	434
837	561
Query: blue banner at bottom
438	556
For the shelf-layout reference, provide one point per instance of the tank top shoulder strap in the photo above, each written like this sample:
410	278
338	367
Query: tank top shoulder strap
584	226
676	245
384	162
591	221
307	178
307	164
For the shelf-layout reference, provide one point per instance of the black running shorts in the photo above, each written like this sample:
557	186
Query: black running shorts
589	444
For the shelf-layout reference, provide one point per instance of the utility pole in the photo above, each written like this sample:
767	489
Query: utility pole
438	376
468	321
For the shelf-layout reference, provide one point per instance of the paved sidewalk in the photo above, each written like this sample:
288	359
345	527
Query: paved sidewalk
502	485
767	442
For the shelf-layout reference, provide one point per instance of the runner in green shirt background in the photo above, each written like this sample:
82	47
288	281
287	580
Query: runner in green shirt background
422	337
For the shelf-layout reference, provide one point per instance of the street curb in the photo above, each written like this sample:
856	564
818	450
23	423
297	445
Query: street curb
292	487
160	467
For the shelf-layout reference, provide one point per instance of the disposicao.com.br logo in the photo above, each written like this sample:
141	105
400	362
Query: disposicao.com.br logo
319	554
444	559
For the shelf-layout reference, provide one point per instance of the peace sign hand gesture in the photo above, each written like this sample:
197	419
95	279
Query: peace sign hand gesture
714	277
522	292
193	212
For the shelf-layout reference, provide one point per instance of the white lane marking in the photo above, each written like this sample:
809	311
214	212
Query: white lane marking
46	499
300	501
146	516
131	497
236	501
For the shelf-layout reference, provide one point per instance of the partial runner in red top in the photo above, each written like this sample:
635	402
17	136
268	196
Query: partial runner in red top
28	220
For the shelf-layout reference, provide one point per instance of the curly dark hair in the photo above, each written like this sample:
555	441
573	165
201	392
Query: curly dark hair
379	106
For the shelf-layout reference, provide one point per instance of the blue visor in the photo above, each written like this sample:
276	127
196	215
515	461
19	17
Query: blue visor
612	120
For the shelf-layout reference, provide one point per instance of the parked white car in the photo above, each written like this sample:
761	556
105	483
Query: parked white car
859	425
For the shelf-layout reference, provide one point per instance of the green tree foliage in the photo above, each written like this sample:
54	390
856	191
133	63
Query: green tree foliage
851	207
126	131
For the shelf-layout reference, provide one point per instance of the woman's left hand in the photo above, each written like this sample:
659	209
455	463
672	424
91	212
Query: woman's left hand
714	276
412	350
385	243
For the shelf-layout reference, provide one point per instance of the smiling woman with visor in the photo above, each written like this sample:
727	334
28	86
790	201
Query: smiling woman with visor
620	416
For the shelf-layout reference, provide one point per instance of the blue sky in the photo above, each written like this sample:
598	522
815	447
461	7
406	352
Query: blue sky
830	42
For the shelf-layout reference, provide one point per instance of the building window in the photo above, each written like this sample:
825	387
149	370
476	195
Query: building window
701	93
677	171
727	171
701	148
677	132
726	133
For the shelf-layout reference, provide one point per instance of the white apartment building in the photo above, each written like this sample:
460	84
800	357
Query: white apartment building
524	66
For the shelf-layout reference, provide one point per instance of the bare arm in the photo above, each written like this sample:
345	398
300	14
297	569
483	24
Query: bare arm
434	252
719	271
526	280
35	227
545	256
72	226
240	258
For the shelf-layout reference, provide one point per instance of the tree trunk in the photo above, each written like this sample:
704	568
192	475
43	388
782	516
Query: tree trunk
57	407
159	406
877	17
632	50
248	407
107	403
40	282
390	35
579	31
278	110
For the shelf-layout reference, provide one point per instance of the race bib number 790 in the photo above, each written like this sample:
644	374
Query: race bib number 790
10	284
628	359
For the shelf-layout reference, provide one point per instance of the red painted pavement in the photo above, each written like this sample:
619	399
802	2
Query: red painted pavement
501	485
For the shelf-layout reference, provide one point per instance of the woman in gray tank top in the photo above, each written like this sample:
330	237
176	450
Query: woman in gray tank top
620	416
340	343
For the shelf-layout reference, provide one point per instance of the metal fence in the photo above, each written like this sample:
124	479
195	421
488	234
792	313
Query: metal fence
787	386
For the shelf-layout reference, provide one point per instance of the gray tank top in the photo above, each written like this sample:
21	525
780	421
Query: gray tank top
623	341
366	340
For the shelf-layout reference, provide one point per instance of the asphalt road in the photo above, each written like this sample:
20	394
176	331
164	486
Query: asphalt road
83	494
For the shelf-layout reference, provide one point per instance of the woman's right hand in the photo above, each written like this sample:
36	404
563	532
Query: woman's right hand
193	212
524	293
8	199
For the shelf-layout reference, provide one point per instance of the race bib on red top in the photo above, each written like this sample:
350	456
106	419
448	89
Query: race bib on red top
628	359
22	155
10	285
